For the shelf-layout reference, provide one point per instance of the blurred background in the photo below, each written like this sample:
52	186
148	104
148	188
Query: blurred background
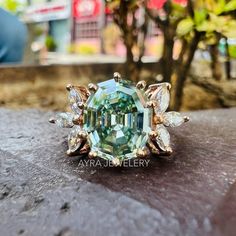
46	44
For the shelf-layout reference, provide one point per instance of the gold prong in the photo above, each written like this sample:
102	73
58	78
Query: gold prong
117	76
186	118
81	105
169	151
76	120
82	134
153	148
168	85
85	149
151	104
153	134
69	87
69	152
92	154
142	153
141	85
92	87
157	119
149	94
116	162
52	120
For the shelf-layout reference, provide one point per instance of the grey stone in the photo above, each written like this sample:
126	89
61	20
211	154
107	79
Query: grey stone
43	192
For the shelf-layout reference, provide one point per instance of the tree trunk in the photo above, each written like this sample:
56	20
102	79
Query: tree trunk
215	63
132	67
182	72
167	57
227	62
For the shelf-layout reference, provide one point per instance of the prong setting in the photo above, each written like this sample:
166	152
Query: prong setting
151	104
83	135
168	85
92	87
157	119
153	134
69	87
92	154
186	118
117	76
169	151
141	85
142	153
81	105
76	120
52	120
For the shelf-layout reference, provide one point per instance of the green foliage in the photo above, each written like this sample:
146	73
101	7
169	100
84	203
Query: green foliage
11	5
50	43
232	51
200	16
185	26
230	6
210	17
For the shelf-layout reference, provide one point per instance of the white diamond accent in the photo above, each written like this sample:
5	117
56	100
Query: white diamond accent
74	142
172	119
64	120
75	99
161	95
163	138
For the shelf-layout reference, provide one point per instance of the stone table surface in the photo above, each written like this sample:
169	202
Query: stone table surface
42	192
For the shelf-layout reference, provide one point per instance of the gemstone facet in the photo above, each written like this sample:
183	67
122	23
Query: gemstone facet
74	141
64	120
161	94
163	137
74	99
117	120
172	119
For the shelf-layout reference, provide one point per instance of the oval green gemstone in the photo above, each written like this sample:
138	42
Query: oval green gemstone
117	120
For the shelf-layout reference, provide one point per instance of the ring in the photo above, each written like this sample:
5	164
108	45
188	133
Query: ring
117	121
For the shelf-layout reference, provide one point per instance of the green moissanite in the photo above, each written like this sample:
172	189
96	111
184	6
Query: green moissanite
117	121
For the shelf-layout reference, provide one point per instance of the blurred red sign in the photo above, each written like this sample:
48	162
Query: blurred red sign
158	4
86	8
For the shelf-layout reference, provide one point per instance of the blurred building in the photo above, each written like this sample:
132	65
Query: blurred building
50	18
79	26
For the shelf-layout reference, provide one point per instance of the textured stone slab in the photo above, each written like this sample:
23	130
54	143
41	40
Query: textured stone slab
44	193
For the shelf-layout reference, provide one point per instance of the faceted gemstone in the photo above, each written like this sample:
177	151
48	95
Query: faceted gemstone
74	142
64	120
75	99
117	120
163	138
172	119
160	93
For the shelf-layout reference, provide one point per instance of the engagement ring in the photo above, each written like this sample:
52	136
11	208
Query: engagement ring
116	120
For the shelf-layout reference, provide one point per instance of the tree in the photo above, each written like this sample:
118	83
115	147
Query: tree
127	15
191	22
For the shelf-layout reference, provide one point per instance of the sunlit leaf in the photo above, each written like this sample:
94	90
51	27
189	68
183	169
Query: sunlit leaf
219	6
229	29
206	26
185	26
200	16
230	6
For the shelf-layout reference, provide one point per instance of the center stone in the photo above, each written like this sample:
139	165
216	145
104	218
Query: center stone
117	120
